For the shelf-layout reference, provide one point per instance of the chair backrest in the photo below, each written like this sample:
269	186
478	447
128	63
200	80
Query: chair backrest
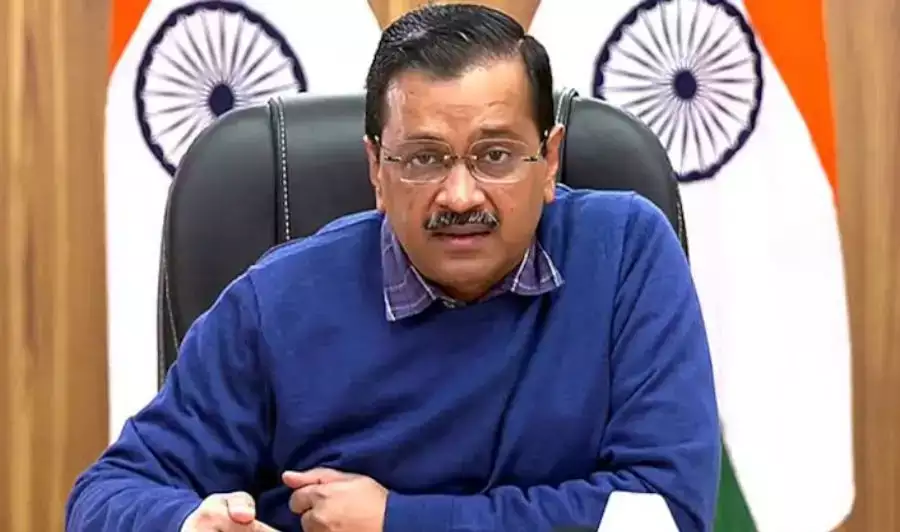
262	175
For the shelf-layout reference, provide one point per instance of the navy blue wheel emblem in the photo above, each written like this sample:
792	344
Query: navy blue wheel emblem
206	59
691	70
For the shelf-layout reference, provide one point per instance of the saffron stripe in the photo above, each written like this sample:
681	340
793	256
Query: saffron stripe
125	16
793	33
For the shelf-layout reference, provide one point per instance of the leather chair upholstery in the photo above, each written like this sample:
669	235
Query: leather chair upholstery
263	175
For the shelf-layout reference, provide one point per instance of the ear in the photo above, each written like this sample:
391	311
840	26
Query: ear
373	156
554	160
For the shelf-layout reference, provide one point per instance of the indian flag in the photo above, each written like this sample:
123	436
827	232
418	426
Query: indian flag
738	93
175	67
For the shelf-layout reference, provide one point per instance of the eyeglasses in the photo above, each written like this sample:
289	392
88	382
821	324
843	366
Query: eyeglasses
489	161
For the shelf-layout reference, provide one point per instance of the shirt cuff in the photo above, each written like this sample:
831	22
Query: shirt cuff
414	513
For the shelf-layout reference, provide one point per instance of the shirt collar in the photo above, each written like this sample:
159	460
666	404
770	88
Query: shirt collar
407	293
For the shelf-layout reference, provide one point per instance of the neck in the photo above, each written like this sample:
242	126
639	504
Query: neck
468	293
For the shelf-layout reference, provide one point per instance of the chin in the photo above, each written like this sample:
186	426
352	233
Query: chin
472	277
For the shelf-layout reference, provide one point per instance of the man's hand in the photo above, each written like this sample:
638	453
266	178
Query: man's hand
332	501
225	512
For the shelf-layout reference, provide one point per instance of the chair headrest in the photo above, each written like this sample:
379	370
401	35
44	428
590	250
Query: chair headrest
265	174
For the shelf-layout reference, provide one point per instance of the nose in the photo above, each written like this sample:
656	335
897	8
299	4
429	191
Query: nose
460	192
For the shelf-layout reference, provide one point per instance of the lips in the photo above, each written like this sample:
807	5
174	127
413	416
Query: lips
462	243
463	230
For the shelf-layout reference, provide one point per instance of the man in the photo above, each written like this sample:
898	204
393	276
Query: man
485	352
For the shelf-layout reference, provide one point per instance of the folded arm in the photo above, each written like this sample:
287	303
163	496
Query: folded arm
202	434
663	433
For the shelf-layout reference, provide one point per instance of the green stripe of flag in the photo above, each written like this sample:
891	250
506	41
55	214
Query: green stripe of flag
732	513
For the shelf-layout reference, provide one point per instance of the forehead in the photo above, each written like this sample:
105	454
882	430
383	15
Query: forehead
485	100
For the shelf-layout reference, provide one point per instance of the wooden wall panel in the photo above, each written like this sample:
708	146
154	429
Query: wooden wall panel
864	52
53	403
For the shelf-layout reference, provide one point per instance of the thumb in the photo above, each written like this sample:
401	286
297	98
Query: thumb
320	475
241	507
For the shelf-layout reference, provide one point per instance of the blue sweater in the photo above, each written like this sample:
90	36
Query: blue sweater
515	414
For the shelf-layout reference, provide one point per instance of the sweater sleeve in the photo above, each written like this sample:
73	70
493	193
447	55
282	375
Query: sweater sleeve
662	435
203	433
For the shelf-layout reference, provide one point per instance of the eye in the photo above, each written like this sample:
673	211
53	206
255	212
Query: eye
425	159
495	156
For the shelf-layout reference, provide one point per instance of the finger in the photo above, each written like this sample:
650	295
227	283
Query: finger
308	522
262	527
319	475
228	525
303	499
212	516
241	507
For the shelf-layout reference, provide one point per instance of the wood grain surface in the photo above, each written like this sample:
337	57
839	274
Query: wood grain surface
53	403
864	54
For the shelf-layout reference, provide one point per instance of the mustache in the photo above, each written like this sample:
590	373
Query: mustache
444	219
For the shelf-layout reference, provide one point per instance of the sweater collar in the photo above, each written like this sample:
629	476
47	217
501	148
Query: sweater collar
407	293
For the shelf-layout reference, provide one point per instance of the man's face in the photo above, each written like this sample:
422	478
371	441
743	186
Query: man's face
464	226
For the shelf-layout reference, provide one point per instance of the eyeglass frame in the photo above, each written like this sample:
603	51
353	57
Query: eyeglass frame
449	161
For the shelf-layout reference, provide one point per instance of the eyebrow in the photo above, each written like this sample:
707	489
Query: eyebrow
498	132
424	136
483	132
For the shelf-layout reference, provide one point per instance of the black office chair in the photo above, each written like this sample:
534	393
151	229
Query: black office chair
263	175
